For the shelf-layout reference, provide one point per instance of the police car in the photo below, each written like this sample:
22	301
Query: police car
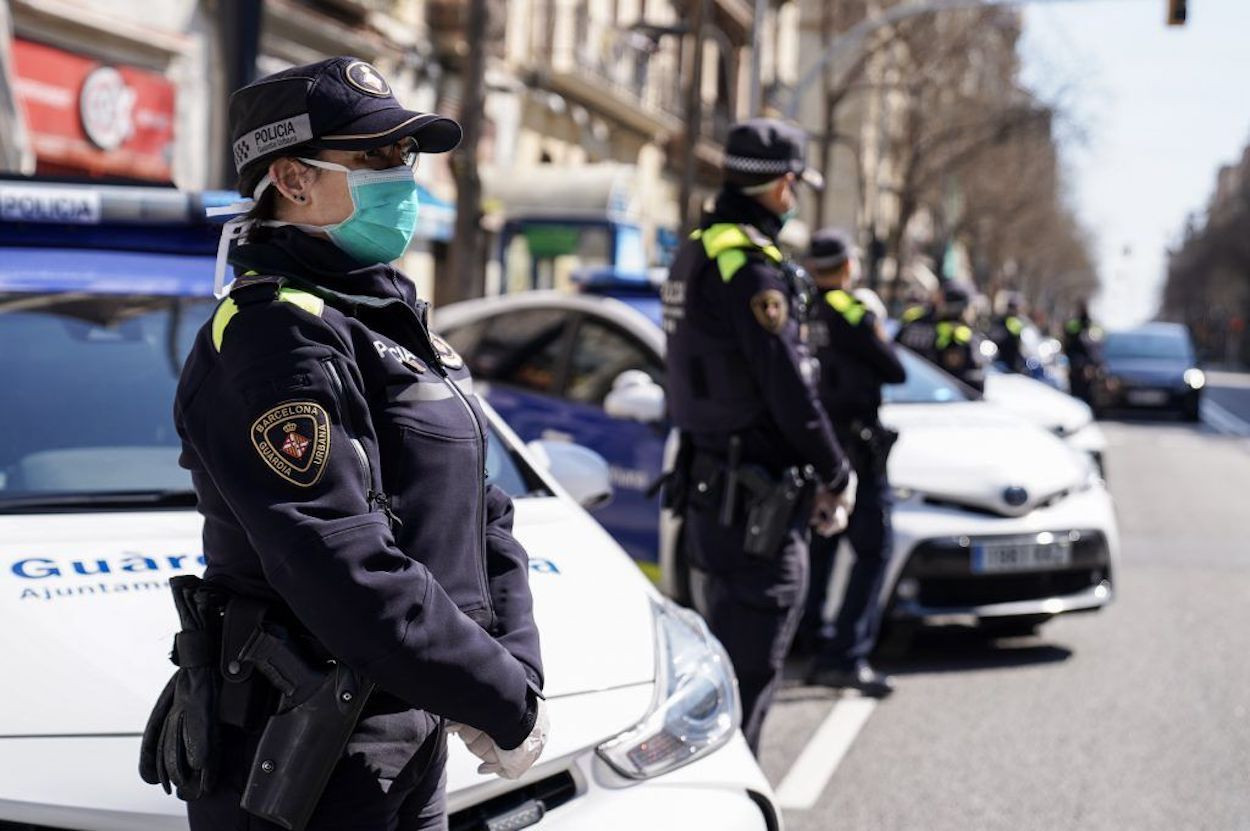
101	292
995	519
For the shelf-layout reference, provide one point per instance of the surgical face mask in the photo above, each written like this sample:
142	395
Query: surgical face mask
384	214
793	211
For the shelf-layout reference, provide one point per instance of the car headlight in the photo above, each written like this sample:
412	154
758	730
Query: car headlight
1195	378
696	708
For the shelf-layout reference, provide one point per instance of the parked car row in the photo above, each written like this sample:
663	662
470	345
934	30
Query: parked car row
1001	512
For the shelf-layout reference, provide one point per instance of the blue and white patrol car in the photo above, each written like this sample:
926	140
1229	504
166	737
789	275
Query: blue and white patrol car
101	292
996	519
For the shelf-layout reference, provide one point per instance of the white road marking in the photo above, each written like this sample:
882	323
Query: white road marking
1224	421
809	774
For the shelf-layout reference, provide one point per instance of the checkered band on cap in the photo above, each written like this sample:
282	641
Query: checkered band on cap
746	164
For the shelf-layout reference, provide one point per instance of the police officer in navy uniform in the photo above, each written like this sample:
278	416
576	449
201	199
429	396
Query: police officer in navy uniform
338	452
1007	330
856	358
1082	344
741	390
945	337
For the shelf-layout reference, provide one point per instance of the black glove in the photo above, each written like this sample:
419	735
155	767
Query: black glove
179	746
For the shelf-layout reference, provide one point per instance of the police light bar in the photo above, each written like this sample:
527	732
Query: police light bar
65	204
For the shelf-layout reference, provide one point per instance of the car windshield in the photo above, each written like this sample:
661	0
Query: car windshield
1147	345
925	384
89	386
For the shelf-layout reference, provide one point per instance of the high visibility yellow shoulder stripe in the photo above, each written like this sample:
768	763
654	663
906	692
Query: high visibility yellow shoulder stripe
913	314
729	262
1015	325
723	236
963	334
847	306
228	309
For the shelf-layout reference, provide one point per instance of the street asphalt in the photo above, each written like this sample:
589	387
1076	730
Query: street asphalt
1136	717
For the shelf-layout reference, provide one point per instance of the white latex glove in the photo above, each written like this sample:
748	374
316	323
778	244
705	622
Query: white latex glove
479	744
831	513
512	764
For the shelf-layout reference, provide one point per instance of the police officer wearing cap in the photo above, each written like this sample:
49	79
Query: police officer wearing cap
759	460
945	337
856	358
339	455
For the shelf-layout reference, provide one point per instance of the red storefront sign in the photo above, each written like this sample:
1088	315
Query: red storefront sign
84	116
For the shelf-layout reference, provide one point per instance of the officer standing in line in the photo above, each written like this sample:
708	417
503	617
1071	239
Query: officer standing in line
338	454
947	339
1006	332
1082	343
856	358
759	461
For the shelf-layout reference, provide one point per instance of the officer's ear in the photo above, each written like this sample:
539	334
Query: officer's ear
292	178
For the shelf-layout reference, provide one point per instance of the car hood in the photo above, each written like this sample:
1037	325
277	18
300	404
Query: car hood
1037	402
1149	370
89	619
969	454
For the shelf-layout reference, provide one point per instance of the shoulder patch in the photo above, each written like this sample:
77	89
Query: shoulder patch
293	439
771	309
449	357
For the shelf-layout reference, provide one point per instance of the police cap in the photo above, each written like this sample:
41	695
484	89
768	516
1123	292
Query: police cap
763	149
829	249
337	104
954	292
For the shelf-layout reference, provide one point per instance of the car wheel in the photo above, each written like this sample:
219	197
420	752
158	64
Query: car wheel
1020	626
896	637
1192	412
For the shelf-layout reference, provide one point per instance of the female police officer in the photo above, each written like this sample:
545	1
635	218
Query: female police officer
338	453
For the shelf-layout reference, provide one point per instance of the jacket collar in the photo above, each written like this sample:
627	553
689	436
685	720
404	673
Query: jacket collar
732	205
290	252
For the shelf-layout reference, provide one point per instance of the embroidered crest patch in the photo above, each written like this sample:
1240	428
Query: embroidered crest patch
449	357
771	309
293	439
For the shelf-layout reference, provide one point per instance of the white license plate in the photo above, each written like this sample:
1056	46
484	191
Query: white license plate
1147	398
992	558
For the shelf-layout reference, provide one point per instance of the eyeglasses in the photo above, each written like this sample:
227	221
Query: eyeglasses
406	151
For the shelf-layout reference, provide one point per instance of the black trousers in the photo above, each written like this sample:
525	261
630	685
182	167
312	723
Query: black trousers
751	604
871	536
381	784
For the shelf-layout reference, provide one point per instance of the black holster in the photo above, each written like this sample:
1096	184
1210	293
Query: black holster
303	741
747	492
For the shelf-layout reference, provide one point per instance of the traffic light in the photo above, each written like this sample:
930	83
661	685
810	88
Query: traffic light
1177	12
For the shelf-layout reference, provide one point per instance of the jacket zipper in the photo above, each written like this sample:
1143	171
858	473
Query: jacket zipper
479	446
349	423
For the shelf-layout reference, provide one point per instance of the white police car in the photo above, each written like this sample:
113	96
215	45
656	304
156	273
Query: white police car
96	516
996	519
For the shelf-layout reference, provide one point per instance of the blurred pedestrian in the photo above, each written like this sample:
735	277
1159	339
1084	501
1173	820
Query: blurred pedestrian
759	461
856	359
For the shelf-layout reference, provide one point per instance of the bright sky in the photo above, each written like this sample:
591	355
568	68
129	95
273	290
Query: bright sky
1161	110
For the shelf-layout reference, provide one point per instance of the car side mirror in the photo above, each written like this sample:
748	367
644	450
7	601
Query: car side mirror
636	397
579	470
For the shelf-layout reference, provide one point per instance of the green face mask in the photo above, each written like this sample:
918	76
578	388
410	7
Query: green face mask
384	216
794	208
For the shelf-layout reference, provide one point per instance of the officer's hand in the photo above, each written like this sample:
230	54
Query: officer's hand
831	512
479	744
512	764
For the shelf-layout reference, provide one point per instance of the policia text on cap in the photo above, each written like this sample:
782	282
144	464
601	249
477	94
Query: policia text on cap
759	460
364	594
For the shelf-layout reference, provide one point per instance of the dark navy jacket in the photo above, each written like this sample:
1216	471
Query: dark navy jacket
736	359
855	361
305	411
950	344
